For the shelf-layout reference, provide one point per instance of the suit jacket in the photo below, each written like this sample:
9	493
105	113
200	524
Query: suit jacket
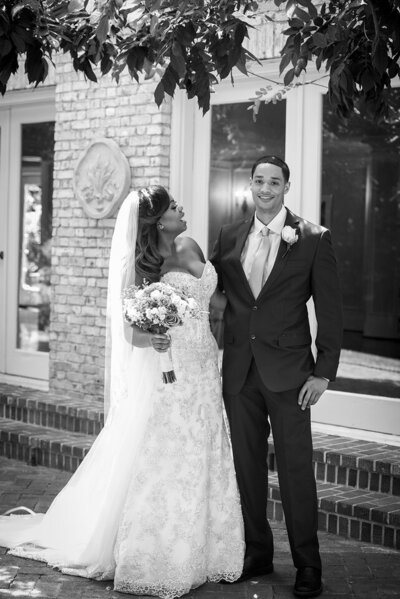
274	328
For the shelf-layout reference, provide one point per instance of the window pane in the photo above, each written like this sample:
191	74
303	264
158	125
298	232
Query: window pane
236	143
361	204
35	236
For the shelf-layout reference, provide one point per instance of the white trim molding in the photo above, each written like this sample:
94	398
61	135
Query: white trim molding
23	381
358	411
28	97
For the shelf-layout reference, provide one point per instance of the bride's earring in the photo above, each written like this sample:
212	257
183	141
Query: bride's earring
160	226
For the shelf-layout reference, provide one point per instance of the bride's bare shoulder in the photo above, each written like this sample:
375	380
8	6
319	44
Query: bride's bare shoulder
187	247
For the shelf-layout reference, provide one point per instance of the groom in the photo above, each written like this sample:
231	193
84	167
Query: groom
268	267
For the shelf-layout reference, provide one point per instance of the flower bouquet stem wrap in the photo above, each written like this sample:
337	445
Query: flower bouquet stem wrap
167	367
156	308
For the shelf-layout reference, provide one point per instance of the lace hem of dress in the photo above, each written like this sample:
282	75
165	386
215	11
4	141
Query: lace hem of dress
168	592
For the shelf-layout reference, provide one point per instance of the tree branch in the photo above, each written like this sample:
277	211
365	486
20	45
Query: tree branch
374	18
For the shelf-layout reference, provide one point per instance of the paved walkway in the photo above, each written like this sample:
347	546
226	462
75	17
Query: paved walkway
351	569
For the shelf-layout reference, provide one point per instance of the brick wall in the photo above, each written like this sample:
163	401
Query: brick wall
266	39
85	111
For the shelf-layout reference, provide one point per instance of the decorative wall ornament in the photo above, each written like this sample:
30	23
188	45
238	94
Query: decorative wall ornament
102	178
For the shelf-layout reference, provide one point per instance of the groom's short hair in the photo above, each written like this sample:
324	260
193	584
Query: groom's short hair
271	159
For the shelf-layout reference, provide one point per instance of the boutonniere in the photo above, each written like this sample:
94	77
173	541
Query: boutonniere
290	237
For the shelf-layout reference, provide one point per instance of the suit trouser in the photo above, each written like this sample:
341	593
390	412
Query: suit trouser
248	414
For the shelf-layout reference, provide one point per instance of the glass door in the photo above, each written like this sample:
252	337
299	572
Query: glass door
28	245
360	203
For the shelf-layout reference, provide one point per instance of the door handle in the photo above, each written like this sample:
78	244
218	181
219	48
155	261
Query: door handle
1	255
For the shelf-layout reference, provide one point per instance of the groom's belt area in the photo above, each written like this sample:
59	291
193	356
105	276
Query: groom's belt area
288	339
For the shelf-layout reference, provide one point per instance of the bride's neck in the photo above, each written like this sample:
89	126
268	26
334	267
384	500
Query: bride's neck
166	246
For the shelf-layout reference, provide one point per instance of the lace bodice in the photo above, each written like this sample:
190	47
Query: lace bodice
195	332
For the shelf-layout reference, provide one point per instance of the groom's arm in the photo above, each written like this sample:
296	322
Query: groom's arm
215	259
328	308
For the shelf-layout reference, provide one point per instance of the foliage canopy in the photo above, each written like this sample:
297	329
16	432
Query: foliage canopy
193	44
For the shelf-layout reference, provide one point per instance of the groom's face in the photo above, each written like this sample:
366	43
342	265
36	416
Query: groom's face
268	187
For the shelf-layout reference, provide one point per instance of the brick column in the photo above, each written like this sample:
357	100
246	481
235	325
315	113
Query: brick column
125	112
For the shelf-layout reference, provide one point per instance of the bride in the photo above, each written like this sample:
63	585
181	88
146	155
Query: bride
154	505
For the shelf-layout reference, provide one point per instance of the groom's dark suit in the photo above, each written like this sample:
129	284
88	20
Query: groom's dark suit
267	346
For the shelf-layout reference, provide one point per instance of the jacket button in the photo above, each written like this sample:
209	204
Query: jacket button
253	337
254	308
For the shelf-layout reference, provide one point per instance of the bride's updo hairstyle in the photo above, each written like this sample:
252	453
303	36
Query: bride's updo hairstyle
153	202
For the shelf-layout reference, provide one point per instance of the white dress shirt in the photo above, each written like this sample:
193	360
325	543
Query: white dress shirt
253	239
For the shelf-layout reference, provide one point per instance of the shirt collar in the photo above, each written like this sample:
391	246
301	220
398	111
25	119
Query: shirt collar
275	225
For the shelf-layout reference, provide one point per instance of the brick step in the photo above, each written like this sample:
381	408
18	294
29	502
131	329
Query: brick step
42	409
343	510
358	514
43	446
354	463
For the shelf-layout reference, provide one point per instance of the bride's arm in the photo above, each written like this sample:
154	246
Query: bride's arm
140	338
218	301
136	336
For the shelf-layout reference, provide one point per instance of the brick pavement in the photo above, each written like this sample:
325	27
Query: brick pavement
351	569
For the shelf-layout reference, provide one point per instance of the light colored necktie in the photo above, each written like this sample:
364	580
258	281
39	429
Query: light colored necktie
257	272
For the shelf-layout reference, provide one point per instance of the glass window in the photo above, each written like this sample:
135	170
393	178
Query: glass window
236	143
37	157
360	203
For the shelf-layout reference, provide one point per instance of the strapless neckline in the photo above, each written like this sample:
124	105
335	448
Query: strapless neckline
186	272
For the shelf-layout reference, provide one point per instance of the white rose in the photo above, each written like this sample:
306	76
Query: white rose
289	235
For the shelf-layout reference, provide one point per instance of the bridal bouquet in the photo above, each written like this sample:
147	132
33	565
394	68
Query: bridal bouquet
156	308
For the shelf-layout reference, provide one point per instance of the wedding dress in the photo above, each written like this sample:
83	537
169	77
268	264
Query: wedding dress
157	512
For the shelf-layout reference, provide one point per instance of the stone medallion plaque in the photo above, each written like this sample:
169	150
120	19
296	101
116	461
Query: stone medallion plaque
102	178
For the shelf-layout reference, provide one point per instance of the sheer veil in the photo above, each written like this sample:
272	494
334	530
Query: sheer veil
78	532
121	274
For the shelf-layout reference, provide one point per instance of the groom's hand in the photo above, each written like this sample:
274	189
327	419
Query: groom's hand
311	391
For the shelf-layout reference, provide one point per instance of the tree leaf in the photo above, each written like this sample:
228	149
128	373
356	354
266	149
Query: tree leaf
87	69
178	63
288	78
320	40
312	11
169	80
106	64
286	58
302	14
75	6
5	46
380	56
241	63
102	28
159	94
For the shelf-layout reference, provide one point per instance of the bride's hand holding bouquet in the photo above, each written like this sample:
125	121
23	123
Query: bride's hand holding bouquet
155	308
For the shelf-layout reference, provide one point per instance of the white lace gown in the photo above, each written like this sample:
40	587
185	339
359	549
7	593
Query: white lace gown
180	521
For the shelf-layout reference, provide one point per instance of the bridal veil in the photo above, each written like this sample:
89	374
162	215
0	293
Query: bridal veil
78	532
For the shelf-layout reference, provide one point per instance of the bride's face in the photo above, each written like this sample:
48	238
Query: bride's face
172	219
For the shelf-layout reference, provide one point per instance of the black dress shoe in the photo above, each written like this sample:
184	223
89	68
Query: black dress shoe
308	582
252	568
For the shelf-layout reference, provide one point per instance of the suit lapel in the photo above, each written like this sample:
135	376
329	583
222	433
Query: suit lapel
282	255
